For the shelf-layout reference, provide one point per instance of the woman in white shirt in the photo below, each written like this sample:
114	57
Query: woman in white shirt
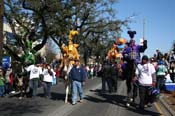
47	80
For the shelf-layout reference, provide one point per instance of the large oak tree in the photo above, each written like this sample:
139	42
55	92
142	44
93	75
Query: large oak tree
40	20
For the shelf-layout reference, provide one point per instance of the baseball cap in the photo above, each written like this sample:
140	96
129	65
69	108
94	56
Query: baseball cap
145	57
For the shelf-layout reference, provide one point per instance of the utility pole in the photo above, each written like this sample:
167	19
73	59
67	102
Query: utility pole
1	29
143	39
144	21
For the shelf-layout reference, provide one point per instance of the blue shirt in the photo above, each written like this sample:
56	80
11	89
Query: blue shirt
77	74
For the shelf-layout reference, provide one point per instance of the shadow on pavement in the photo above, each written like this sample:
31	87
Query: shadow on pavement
54	96
19	109
144	112
13	106
119	100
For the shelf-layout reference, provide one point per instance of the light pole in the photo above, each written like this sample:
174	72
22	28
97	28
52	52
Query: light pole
144	22
1	29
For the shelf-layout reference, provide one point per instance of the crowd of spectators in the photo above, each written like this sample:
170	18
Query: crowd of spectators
164	64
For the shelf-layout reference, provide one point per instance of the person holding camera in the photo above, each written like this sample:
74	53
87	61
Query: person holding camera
47	79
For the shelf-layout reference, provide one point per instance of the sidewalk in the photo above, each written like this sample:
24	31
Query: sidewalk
168	102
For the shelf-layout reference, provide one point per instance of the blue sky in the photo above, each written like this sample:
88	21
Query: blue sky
159	18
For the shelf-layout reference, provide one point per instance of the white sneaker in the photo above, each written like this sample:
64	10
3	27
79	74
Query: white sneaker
127	104
81	101
13	92
145	106
131	99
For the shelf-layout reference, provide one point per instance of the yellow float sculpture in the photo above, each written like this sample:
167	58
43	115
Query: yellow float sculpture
70	51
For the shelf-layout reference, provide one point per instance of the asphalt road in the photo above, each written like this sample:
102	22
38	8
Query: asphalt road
95	103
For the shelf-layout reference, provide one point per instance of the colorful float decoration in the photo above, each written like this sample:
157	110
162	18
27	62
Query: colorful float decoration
29	55
121	44
115	53
70	51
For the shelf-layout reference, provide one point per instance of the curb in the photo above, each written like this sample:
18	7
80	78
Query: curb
165	104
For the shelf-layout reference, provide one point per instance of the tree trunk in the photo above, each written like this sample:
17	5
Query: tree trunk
1	29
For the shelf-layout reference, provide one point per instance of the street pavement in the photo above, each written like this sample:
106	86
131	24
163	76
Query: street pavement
94	104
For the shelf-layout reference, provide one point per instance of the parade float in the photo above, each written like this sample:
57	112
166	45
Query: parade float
70	54
29	55
70	51
115	53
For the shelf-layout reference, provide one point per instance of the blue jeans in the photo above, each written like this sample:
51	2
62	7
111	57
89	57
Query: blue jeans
2	91
33	84
76	87
47	88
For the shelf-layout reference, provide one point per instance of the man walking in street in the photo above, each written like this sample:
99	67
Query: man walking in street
106	75
78	76
145	72
35	72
